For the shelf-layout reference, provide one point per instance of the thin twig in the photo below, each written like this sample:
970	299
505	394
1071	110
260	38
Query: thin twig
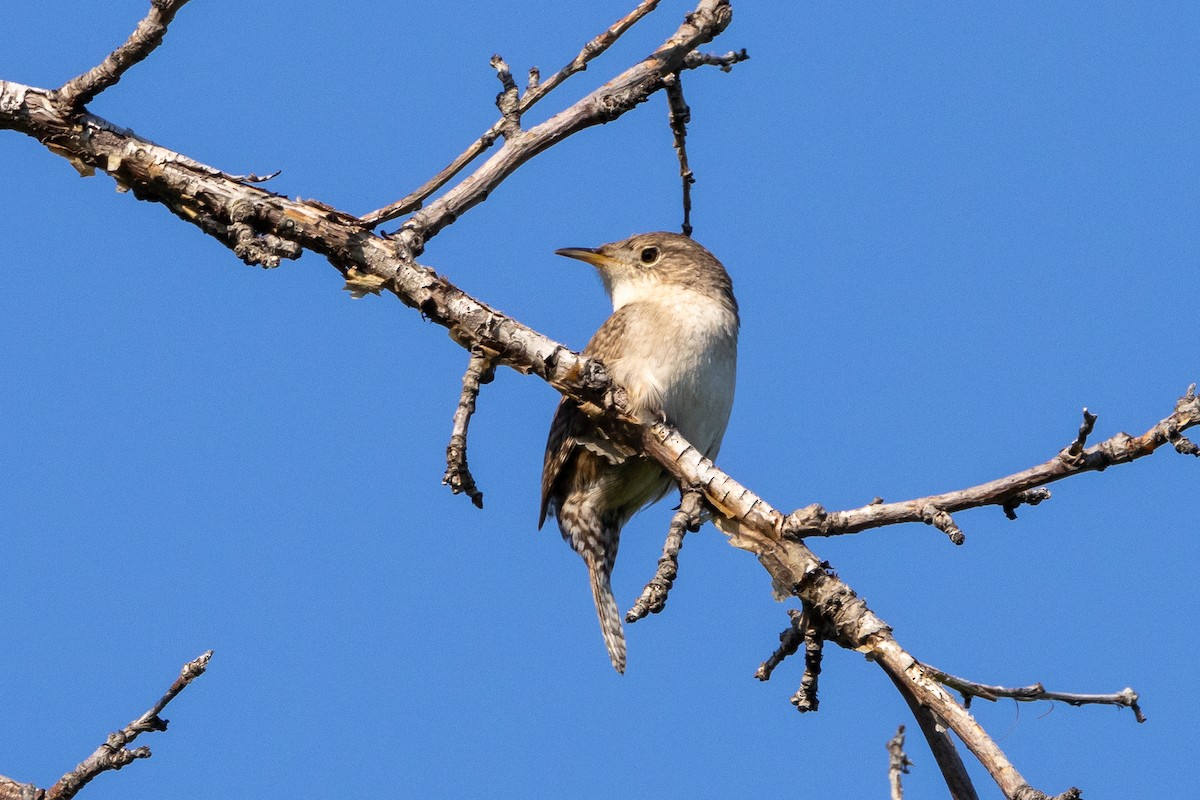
1029	497
898	763
790	639
254	178
653	598
602	105
81	90
536	90
1074	451
508	101
480	370
805	699
1029	694
806	631
938	518
680	116
723	62
1122	448
113	754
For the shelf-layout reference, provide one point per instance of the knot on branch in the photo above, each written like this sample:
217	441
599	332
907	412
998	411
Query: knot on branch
1073	454
1116	450
844	616
1029	497
812	520
724	62
508	101
1187	412
940	519
239	234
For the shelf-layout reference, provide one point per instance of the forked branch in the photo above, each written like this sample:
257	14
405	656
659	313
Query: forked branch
536	90
1012	490
148	35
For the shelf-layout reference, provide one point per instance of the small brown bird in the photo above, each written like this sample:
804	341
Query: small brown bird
672	343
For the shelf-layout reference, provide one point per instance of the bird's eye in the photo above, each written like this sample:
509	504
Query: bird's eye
649	255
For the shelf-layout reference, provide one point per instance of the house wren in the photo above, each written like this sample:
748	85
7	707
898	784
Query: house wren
671	342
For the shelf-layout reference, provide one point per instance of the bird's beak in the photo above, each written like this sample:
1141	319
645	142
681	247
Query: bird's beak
591	255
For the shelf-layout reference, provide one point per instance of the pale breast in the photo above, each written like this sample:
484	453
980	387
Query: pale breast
679	356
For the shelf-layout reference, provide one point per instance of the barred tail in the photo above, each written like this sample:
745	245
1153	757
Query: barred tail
610	617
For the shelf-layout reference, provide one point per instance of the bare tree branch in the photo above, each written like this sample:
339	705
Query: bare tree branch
605	104
1008	491
537	89
898	763
688	518
148	35
805	699
680	116
458	477
723	62
790	640
114	753
950	763
1028	694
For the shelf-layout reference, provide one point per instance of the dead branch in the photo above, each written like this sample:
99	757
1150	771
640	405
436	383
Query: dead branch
805	699
723	62
653	598
680	116
114	753
790	640
148	35
898	763
605	104
458	477
806	631
1127	697
537	89
1009	491
507	101
937	736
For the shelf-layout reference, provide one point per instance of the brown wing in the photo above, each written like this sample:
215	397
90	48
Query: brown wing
571	429
560	446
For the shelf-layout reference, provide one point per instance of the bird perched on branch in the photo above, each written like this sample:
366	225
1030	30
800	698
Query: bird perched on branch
671	342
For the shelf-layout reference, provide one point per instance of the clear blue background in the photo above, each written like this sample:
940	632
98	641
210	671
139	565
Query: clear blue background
950	227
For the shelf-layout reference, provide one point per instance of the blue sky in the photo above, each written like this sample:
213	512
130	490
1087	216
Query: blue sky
949	227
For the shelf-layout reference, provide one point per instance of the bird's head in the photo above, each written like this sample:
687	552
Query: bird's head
654	266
